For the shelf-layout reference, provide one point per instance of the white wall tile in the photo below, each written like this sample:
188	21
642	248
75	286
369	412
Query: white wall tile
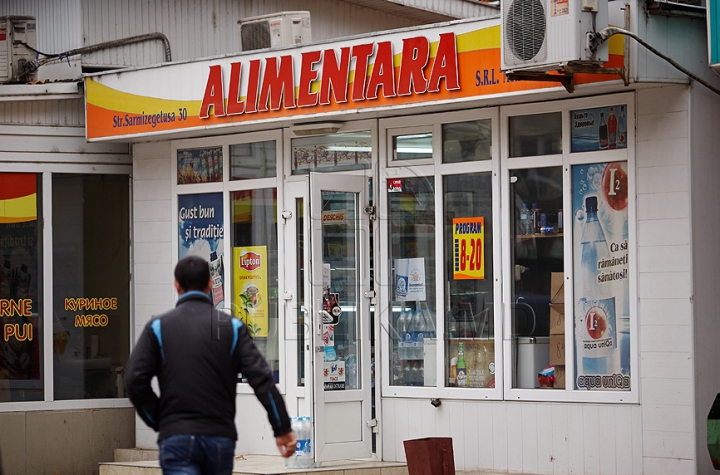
624	447
591	439
152	169
666	365
560	444
670	285
545	437
663	179
152	252
664	259
576	443
153	273
664	232
670	391
154	294
670	125
668	418
530	438
662	152
159	210
144	312
153	232
606	439
485	432
665	466
669	445
662	99
666	338
470	435
665	312
151	190
663	205
500	437
515	437
151	151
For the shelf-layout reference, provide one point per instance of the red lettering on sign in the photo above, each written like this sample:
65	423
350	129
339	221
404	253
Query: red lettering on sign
307	76
235	106
253	84
213	94
361	53
445	65
383	73
335	76
277	84
416	52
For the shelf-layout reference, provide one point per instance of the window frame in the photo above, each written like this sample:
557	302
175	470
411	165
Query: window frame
567	160
46	170
226	187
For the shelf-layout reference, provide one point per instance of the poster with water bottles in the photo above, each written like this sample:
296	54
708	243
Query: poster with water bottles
601	276
601	128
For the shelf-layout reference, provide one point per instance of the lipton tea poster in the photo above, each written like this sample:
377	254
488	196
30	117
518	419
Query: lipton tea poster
250	288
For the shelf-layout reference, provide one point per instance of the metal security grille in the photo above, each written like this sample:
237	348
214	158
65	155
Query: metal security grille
255	35
525	28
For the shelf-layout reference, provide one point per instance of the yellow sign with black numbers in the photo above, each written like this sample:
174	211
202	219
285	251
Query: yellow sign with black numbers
468	248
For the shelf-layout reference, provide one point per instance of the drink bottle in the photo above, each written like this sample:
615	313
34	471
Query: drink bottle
612	126
622	129
603	132
400	332
596	307
461	367
522	228
420	334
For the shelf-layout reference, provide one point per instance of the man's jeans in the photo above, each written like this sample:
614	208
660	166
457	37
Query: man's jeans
196	455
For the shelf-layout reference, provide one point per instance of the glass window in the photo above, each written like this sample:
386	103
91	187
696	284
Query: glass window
199	165
253	160
91	287
301	311
330	153
469	326
413	146
21	303
255	268
467	141
412	264
538	329
600	265
539	134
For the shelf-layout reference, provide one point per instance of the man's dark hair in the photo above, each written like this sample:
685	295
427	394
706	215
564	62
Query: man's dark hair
192	273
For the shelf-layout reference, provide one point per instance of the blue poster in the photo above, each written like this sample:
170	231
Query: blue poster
201	233
601	276
602	128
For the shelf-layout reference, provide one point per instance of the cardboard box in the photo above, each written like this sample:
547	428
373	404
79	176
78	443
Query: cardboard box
557	350
559	377
557	288
557	320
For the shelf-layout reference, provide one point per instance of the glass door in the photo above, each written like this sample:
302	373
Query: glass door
340	309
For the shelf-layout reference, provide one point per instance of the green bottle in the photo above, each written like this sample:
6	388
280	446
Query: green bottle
461	368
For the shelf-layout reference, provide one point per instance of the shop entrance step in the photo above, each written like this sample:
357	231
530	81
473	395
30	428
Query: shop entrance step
145	462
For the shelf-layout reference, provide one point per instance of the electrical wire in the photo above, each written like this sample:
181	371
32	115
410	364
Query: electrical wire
605	34
49	57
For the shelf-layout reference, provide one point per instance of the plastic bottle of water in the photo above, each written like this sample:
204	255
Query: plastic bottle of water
293	462
534	220
420	333
523	227
400	335
306	455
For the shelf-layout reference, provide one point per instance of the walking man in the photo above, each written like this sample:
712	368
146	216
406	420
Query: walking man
196	352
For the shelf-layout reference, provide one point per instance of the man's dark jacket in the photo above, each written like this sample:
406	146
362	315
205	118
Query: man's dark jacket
197	352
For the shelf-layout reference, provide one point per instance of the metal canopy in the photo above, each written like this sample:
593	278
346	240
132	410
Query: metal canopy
431	11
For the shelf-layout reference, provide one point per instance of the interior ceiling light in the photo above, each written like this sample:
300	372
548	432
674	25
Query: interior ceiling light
320	128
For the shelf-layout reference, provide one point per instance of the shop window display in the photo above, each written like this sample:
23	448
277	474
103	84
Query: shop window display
412	261
91	298
21	315
254	270
469	326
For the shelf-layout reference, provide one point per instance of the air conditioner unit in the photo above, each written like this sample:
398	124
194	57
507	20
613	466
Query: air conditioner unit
277	29
547	34
17	61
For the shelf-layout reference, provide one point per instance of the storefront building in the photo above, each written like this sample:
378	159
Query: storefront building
431	249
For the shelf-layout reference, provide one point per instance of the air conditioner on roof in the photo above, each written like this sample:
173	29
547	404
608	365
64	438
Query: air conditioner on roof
16	59
547	34
277	29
